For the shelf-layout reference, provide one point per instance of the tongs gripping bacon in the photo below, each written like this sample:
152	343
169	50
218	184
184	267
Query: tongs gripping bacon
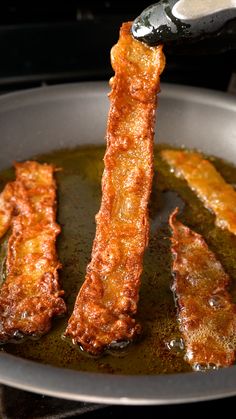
207	316
107	302
30	295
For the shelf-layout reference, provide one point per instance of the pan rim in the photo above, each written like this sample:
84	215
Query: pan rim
117	389
104	388
95	88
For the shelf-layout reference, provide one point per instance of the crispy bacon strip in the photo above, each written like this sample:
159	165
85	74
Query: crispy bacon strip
206	315
210	187
30	295
104	309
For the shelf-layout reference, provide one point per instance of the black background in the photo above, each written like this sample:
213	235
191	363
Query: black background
57	42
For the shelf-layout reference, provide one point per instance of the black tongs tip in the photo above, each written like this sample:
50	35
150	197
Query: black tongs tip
157	24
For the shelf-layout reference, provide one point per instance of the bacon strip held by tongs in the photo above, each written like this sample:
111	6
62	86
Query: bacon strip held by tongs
104	311
202	177
30	295
207	317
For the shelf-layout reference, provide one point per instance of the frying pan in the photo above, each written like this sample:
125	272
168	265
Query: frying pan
49	118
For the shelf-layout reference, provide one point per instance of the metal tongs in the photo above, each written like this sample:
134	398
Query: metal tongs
171	21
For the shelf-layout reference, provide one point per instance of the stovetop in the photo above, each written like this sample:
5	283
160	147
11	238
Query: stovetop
18	404
62	42
58	42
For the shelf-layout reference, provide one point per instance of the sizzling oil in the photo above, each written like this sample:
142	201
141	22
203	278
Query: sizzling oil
160	348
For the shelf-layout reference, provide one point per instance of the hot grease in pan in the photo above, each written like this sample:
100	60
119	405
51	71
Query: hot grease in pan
78	201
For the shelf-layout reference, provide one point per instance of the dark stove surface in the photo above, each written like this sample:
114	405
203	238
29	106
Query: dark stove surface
18	404
54	42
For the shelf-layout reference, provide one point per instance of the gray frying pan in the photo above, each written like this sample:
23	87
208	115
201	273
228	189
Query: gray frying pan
49	118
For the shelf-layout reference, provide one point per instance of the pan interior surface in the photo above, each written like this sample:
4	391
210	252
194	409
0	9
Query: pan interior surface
37	122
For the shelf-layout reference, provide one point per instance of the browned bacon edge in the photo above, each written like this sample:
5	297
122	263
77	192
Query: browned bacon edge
6	208
207	316
202	177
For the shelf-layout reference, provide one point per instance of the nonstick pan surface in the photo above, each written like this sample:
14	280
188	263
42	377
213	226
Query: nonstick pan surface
49	118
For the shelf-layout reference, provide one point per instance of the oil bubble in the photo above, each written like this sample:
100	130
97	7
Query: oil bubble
204	367
176	345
